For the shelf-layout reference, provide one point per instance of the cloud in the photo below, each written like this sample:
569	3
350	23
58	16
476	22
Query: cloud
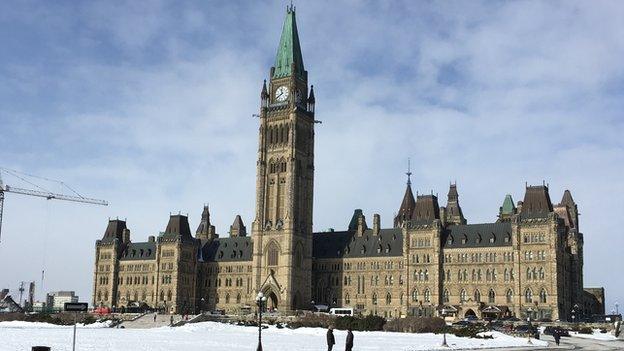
150	106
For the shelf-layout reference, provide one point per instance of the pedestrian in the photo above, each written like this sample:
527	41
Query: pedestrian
557	336
155	314
330	338
171	320
349	343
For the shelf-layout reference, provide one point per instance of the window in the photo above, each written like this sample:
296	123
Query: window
414	295
493	238
238	298
449	240
477	296
528	296
464	239
427	295
445	296
491	296
388	298
509	296
347	299
462	296
543	296
273	255
374	298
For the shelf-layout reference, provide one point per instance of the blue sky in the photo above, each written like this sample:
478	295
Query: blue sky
149	105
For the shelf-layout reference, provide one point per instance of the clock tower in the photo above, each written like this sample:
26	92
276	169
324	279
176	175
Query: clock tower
282	228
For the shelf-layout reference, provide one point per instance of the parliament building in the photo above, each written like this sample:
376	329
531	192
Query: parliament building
430	262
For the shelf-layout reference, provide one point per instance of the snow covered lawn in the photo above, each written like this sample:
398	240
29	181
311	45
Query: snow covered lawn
216	336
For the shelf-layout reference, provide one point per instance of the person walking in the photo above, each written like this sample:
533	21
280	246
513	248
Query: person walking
155	314
349	343
171	320
331	341
557	336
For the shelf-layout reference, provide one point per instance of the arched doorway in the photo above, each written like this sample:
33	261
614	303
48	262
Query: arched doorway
271	301
470	312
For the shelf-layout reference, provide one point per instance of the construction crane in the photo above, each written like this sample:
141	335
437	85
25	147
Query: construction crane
42	192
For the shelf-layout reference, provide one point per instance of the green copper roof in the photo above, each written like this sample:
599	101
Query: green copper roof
289	50
508	205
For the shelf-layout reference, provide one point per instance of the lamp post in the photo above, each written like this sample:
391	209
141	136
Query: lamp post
529	311
260	301
444	344
203	302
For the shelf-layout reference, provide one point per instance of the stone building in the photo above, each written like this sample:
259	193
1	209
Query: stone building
430	262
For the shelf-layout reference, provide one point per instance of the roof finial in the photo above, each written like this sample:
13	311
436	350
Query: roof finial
409	172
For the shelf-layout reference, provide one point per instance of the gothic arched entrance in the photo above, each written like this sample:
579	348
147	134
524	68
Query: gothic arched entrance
470	312
271	301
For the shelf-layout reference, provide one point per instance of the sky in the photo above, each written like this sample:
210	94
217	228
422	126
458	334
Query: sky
149	106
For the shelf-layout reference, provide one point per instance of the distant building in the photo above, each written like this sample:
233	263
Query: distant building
7	304
57	300
526	263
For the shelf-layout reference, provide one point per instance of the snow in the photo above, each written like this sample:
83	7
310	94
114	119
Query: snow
218	336
40	325
597	335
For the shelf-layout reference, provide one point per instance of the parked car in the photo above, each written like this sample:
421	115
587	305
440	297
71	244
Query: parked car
550	330
462	324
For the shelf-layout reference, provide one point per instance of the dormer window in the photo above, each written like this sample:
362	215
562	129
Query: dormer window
493	238
464	239
449	240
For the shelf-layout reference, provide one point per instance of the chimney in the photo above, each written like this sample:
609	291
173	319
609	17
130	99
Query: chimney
361	225
125	238
376	224
151	239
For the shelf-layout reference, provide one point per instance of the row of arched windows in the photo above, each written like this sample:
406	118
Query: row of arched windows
277	134
426	295
463	296
277	166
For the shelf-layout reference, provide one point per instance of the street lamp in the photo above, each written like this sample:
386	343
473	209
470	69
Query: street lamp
260	301
529	311
444	344
202	305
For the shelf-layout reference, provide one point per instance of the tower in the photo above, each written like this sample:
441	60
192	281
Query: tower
282	228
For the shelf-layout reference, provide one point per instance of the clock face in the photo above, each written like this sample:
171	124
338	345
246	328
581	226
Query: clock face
281	94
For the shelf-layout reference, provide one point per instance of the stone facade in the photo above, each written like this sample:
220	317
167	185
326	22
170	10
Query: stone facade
431	262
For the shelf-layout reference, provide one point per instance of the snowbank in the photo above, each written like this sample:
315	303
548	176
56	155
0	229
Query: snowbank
40	325
218	336
597	335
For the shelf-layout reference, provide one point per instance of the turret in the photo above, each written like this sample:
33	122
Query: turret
408	204
311	99
238	228
205	230
507	209
453	213
376	224
264	96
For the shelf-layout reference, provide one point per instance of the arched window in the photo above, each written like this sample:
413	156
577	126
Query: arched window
528	296
169	296
374	298
99	295
543	296
426	275
445	296
105	295
379	249
421	275
273	255
238	298
427	295
506	275
474	275
464	239
509	296
162	295
477	296
347	299
462	296
414	295
388	298
227	298
493	238
491	296
541	273
479	274
298	257
449	240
